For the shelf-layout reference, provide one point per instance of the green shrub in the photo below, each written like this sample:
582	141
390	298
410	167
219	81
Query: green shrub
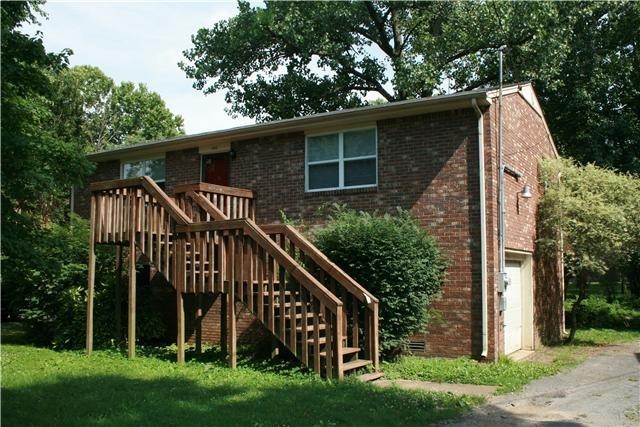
50	293
395	259
596	312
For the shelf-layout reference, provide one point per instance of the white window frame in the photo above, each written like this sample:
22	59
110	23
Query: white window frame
340	160
144	159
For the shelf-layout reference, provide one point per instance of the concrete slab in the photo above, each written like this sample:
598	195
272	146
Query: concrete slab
458	389
520	355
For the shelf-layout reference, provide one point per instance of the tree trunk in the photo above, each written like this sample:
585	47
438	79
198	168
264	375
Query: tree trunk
581	282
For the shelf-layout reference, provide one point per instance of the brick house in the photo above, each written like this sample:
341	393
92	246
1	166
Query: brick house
422	155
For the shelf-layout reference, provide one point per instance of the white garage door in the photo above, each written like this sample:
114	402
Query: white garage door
513	313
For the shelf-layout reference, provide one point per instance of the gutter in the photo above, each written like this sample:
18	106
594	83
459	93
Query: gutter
483	232
316	122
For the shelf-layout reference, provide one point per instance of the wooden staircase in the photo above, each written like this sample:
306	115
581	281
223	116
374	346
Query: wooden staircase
205	240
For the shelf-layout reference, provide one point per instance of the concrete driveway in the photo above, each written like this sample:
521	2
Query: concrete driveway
597	393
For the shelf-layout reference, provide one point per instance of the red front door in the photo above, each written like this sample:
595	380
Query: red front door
215	169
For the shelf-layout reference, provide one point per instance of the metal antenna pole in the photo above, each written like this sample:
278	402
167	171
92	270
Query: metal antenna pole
501	202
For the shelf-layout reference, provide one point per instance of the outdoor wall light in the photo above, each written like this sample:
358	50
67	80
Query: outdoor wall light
526	192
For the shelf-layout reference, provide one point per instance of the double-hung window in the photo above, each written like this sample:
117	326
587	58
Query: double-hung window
155	168
341	160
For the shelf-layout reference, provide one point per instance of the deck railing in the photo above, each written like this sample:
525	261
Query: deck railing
234	203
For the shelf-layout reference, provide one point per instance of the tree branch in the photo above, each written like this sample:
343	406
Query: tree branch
379	24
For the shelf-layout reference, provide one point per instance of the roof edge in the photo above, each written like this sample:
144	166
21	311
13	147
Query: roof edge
338	118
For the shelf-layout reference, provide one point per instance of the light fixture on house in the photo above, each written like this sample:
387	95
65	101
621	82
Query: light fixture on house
526	192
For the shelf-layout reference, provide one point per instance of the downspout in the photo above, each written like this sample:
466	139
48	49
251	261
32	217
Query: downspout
483	232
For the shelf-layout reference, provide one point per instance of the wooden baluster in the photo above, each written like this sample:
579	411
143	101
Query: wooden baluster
260	287
338	342
192	254
149	229
240	268
107	218
282	300
249	270
316	335
167	246
343	297
355	314
292	319
235	207
228	207
122	215
272	302
116	215
221	261
203	260
304	337
213	237
328	346
97	218
141	214
159	225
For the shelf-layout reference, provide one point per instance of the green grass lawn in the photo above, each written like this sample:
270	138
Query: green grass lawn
506	374
64	388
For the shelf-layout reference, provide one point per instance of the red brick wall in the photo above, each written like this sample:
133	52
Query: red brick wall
182	167
250	330
525	143
427	164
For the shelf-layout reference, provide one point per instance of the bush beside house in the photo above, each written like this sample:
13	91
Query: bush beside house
395	259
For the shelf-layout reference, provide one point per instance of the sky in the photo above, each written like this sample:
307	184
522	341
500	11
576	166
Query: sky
142	42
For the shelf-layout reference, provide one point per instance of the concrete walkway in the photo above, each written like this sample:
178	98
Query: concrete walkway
485	391
596	393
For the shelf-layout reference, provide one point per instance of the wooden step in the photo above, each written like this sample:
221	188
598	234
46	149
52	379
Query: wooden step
345	351
355	364
370	376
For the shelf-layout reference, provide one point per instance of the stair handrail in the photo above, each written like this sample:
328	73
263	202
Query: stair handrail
362	294
252	229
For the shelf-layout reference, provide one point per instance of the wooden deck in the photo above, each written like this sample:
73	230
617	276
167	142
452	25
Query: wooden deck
206	240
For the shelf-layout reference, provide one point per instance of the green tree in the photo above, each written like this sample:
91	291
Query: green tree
593	102
38	167
287	59
593	213
90	107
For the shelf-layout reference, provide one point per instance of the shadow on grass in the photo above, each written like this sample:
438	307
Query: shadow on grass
14	333
113	400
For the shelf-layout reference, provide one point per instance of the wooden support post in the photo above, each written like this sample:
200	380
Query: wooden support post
118	295
223	323
131	333
199	321
180	326
91	277
231	306
375	348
